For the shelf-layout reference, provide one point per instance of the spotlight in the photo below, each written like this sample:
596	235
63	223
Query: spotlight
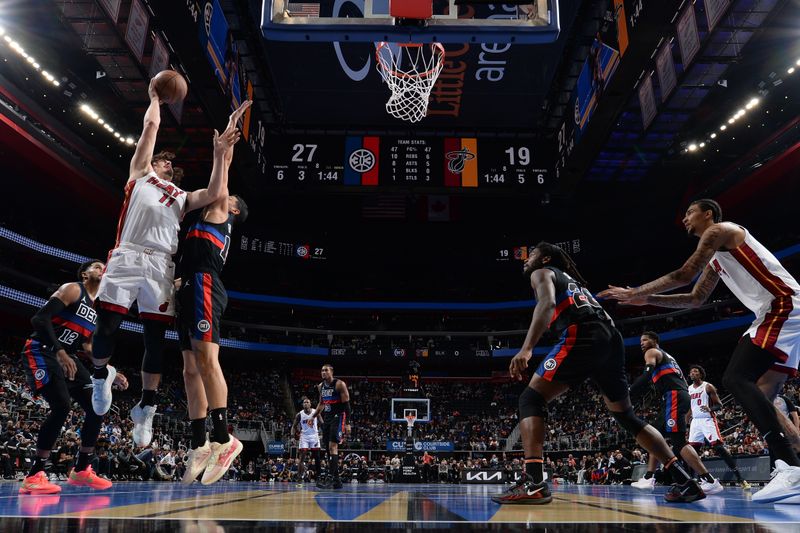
723	127
790	71
731	120
754	102
692	147
129	140
713	135
702	145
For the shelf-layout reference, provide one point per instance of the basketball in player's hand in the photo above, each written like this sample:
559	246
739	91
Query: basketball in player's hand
170	86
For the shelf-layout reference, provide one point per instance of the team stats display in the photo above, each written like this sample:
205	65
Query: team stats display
371	161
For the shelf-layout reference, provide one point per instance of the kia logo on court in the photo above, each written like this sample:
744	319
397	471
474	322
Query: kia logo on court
485	476
457	158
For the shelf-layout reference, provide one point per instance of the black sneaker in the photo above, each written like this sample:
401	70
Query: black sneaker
337	484
526	493
325	483
688	492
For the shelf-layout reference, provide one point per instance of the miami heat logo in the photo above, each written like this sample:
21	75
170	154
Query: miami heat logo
456	160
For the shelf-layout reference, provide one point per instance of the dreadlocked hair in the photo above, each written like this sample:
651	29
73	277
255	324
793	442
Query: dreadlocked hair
561	259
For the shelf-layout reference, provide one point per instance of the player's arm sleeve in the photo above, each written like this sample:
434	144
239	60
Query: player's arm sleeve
42	322
641	384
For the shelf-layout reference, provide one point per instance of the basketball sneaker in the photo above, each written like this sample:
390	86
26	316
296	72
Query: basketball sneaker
711	488
38	484
101	392
87	478
337	484
222	456
644	484
688	492
196	463
143	424
325	482
525	492
784	487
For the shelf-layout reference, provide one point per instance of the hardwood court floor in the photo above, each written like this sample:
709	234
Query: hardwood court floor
225	507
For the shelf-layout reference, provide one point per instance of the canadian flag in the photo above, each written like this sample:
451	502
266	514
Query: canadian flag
439	208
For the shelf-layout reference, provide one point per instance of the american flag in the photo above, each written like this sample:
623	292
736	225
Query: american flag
303	9
383	206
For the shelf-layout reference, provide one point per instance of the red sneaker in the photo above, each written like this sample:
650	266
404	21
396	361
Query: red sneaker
87	478
38	484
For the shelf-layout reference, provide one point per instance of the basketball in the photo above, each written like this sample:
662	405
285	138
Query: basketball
170	86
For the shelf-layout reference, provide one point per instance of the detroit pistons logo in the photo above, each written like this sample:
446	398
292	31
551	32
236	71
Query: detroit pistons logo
550	364
203	326
39	374
457	158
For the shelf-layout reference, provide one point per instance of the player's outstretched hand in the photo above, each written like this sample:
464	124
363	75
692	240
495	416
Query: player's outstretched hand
237	114
615	293
225	140
518	365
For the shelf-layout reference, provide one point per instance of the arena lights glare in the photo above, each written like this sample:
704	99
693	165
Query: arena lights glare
14	45
94	115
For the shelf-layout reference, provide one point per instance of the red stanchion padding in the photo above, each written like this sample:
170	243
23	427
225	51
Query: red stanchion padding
411	9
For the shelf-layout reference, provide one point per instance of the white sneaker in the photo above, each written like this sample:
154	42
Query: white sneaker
101	392
222	456
196	462
644	484
142	424
711	488
784	486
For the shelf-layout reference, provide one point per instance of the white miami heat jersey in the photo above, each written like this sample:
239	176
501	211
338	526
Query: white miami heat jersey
757	278
308	426
699	397
151	214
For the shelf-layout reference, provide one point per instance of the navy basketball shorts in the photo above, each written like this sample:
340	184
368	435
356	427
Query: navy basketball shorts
201	301
589	350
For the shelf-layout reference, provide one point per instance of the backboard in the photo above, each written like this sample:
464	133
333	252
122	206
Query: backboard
371	21
401	405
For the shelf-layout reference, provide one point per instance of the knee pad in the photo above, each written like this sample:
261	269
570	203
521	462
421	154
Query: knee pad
153	360
629	421
531	403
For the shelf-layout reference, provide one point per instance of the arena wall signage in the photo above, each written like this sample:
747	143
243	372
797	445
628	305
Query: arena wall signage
276	448
421	446
484	476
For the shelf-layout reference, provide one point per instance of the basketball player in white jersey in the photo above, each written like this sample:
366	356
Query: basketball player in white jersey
768	352
140	266
305	423
705	403
788	409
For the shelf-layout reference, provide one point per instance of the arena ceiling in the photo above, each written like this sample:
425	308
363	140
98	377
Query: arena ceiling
611	162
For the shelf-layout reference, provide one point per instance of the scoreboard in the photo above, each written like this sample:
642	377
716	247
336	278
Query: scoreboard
371	161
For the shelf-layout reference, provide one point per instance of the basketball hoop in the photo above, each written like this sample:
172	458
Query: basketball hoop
410	70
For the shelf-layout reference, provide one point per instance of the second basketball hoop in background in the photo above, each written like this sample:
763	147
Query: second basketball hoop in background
410	70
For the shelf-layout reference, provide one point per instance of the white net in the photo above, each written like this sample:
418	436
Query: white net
410	71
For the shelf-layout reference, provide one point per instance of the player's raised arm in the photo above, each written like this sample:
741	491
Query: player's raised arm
203	197
140	162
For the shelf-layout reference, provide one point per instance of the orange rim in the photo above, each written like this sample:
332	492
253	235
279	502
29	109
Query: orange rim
436	49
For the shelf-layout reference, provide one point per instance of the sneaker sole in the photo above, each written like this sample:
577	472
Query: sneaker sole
236	451
81	484
186	480
686	500
786	498
537	501
37	492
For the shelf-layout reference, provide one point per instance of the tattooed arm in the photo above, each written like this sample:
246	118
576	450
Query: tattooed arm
700	292
713	239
